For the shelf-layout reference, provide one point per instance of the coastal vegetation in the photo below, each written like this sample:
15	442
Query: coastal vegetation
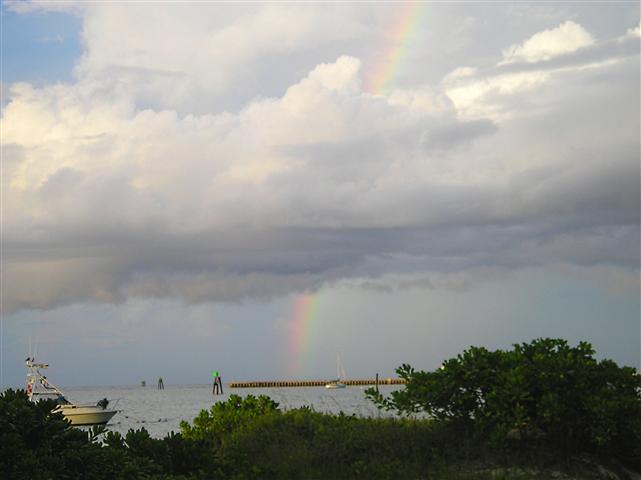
543	393
540	410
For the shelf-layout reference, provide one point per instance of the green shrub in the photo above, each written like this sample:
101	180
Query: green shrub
301	443
38	444
224	417
485	409
539	393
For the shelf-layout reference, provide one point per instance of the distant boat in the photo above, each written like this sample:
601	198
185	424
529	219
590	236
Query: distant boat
38	387
340	375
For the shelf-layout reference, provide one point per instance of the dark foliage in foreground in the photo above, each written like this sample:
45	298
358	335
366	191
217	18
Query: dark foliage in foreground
255	439
544	393
38	444
518	410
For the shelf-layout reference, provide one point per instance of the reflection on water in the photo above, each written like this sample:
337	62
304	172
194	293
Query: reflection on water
160	411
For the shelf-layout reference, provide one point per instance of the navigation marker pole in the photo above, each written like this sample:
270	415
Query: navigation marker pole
217	387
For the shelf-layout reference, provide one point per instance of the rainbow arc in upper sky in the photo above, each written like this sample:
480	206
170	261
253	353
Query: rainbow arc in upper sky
398	40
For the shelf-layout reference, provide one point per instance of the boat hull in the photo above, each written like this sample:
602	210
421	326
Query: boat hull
79	415
333	386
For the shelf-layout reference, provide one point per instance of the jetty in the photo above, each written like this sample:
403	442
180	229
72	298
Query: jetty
314	383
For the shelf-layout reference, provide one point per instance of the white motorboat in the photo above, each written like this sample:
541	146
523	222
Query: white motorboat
340	376
80	415
38	387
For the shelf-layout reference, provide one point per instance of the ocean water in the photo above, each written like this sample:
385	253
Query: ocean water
161	411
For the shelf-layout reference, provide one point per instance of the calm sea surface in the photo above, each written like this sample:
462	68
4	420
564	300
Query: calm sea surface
160	411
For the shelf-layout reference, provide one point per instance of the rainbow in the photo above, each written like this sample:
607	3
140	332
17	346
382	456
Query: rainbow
383	75
303	314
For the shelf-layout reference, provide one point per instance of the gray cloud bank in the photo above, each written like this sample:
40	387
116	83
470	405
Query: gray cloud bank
508	166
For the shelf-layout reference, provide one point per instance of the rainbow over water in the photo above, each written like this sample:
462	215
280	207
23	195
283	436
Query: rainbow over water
398	40
303	317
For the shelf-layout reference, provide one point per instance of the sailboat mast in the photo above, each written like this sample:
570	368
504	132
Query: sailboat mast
340	371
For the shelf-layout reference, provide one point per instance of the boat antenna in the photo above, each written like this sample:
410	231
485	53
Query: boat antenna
35	347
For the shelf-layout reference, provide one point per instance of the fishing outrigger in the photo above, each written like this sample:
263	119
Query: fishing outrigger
39	387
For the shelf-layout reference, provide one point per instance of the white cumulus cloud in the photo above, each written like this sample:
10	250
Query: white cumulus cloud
566	38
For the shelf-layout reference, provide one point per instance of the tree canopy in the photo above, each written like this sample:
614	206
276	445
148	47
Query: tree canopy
545	390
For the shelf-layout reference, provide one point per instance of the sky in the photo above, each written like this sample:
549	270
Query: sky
253	187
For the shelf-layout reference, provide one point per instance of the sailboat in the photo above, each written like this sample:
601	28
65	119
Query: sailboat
39	387
340	375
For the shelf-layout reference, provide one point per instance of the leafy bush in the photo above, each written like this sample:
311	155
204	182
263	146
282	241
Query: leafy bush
545	396
224	417
301	443
172	454
541	393
254	439
37	443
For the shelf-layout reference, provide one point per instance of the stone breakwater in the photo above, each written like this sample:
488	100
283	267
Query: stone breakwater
313	383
